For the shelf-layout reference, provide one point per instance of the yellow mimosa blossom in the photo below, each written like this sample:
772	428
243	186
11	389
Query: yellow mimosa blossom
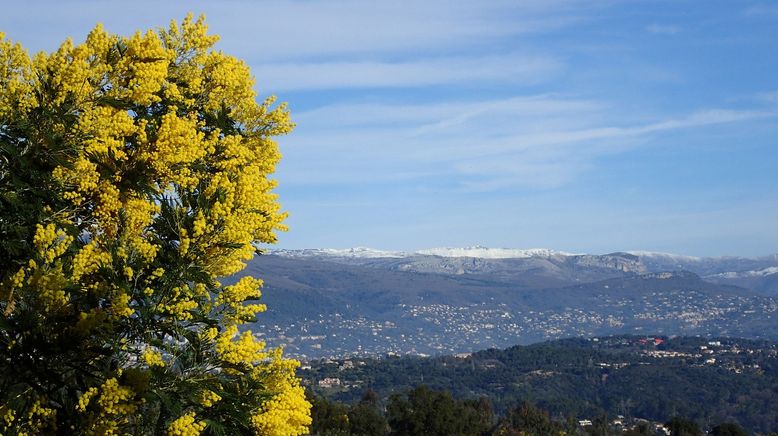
186	426
209	398
246	350
153	358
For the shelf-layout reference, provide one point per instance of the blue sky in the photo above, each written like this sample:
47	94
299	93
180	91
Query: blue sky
584	127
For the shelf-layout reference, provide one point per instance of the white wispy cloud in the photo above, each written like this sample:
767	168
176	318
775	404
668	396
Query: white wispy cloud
427	72
540	141
437	114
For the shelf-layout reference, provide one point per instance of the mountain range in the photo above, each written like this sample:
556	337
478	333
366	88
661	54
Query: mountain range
360	301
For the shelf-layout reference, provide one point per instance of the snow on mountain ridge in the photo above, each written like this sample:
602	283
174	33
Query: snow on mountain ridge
356	252
656	254
477	252
760	273
492	253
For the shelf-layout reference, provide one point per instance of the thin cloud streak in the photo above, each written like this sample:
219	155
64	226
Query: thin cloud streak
428	72
431	116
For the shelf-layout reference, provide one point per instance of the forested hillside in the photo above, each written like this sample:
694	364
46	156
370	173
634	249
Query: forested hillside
653	378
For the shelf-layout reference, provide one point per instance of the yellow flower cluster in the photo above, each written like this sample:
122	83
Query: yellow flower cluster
16	76
153	358
107	206
115	406
180	304
286	414
120	305
208	335
144	67
179	144
88	260
104	129
81	181
50	242
233	297
246	350
40	417
48	284
17	280
208	398
116	399
9	415
69	73
230	83
137	215
85	398
186	426
190	42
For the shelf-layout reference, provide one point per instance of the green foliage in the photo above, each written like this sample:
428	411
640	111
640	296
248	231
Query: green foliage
336	419
424	411
728	429
527	419
683	427
329	418
365	417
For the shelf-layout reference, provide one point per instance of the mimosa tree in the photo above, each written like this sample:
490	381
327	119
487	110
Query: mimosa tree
134	175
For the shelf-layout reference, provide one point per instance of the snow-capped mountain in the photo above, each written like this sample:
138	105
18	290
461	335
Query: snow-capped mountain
547	266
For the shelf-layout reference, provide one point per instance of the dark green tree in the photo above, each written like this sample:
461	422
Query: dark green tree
728	429
365	418
426	412
683	427
329	418
600	426
530	420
